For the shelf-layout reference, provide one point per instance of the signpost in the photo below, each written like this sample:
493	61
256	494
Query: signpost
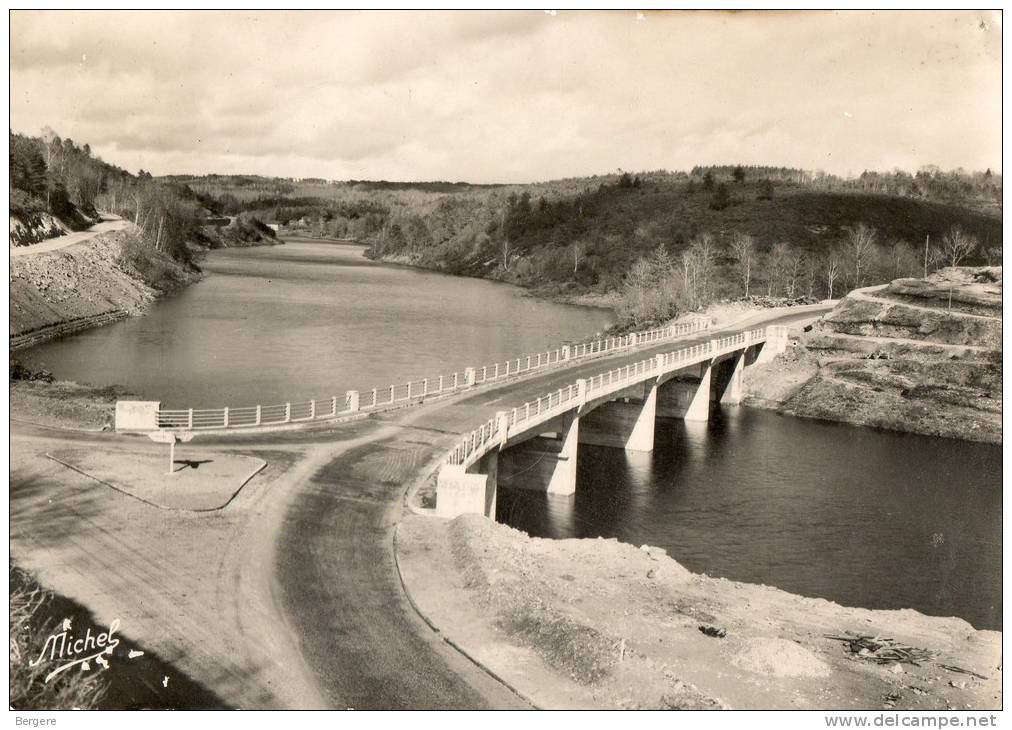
170	438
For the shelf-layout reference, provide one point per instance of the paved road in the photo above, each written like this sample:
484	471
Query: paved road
109	223
289	597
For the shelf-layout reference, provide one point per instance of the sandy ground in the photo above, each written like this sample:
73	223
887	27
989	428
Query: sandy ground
200	482
602	624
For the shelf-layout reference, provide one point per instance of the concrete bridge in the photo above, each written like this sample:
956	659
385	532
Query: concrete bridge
539	441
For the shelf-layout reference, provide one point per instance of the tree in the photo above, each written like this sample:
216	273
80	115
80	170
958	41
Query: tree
738	174
794	267
721	198
903	259
703	252
832	267
743	252
956	246
708	180
860	245
765	190
776	266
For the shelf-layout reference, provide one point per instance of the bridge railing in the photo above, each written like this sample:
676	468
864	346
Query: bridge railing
548	406
197	419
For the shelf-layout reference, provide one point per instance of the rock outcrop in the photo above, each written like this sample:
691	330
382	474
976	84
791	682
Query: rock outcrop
919	355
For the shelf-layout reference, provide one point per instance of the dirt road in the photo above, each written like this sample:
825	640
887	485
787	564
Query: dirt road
109	223
289	597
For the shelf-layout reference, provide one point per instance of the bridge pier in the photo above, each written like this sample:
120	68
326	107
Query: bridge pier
732	391
470	491
698	408
623	424
546	464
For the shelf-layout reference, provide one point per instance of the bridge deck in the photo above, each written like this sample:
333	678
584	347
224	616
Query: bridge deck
459	415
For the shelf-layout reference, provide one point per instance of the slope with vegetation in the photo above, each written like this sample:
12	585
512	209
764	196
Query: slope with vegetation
920	355
661	242
56	187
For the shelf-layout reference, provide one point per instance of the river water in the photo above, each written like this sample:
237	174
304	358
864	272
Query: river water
310	320
861	517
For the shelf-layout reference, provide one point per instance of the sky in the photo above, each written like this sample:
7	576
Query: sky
516	96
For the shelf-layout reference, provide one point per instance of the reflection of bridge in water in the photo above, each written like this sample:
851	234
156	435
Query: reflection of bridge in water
535	445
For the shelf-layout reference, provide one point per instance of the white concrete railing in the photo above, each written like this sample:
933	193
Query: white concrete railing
480	440
252	417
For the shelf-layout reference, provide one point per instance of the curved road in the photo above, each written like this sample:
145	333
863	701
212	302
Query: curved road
109	223
288	597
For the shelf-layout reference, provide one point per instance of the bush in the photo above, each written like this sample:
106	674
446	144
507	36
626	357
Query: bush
21	203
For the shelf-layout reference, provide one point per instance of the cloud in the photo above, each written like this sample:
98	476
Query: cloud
510	96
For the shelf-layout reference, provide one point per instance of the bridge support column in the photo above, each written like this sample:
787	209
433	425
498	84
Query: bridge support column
699	406
733	390
626	424
545	464
471	491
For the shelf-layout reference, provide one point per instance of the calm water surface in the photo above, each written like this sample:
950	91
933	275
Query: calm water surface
309	320
862	517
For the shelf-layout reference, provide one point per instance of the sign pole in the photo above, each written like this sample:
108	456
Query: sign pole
172	454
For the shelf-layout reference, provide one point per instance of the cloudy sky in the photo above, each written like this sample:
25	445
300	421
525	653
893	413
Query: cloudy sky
511	97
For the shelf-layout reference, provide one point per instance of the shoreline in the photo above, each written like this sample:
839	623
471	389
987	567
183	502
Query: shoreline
521	607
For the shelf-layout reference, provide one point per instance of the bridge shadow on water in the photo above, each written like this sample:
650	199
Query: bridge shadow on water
815	508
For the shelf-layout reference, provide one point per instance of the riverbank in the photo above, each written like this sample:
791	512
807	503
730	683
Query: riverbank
917	355
602	624
108	277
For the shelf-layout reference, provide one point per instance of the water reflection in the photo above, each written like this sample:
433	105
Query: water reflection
859	516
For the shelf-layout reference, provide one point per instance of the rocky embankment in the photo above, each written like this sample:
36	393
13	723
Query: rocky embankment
30	228
602	624
918	355
110	276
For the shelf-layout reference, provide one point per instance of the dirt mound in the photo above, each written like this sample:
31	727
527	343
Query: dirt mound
596	623
779	658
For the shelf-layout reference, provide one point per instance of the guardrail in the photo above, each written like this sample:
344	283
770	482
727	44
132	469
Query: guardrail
198	419
549	406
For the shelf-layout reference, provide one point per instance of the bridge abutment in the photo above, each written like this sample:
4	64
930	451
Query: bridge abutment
468	491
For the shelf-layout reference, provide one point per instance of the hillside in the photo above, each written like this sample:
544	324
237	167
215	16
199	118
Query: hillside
578	237
920	355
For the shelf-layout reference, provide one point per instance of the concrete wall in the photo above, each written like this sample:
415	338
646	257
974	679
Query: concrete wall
135	415
471	491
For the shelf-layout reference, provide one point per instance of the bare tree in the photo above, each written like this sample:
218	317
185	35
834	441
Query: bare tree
956	246
860	246
832	268
689	265
743	251
704	252
793	268
776	264
902	259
